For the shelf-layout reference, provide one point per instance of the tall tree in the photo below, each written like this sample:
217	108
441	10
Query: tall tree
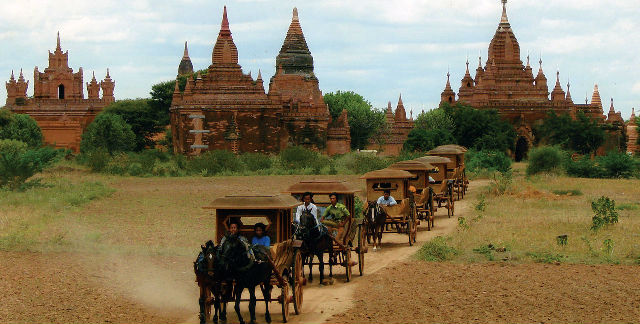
582	135
108	132
138	114
20	127
364	120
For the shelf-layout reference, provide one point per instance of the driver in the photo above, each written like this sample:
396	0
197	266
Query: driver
234	229
386	199
308	206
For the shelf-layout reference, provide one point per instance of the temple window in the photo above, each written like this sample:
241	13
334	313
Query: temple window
61	91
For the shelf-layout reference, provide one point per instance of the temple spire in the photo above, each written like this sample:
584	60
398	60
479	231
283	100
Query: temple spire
611	109
12	77
224	26
568	97
58	47
504	19
479	61
185	55
467	66
295	14
259	75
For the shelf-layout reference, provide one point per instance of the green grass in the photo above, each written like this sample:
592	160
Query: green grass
530	216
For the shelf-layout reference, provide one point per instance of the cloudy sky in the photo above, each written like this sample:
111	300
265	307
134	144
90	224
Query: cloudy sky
378	48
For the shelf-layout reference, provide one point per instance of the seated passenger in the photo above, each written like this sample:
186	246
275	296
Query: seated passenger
234	228
308	206
335	214
260	238
386	199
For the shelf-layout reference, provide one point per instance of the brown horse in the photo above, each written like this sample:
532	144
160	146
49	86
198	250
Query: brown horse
374	219
212	283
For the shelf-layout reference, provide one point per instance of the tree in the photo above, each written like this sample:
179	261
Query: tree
139	115
108	132
18	162
423	140
434	119
162	95
364	120
582	135
20	127
482	129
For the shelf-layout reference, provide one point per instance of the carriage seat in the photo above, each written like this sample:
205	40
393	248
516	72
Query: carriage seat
397	212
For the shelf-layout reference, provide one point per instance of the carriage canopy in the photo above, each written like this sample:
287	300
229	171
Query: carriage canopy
321	190
396	181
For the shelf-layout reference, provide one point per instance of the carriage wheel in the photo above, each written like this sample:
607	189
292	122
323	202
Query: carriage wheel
285	300
360	251
347	261
297	282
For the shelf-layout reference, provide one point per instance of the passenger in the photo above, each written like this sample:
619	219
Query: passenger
234	230
334	215
307	206
259	237
386	199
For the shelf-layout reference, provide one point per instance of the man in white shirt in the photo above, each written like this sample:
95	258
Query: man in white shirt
386	199
309	206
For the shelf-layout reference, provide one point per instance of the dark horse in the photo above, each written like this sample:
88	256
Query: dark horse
212	283
248	272
375	219
315	241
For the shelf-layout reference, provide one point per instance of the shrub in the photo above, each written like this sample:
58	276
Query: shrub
363	163
436	250
118	164
545	159
297	157
617	165
427	139
256	161
584	168
604	212
501	183
214	162
476	161
19	163
96	160
20	127
138	114
108	132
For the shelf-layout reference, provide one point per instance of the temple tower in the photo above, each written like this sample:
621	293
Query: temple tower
185	67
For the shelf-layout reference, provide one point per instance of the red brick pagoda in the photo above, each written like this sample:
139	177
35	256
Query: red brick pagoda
58	104
227	109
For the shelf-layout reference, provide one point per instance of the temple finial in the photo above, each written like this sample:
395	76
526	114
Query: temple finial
186	50
58	47
225	22
295	14
479	61
259	75
504	18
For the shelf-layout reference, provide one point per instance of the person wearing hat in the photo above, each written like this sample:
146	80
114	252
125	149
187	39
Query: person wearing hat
307	206
259	237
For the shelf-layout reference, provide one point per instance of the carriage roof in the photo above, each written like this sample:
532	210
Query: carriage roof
434	159
448	149
254	202
412	165
387	174
321	187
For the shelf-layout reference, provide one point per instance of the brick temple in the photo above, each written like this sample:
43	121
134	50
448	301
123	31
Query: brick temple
510	87
632	134
226	109
391	141
58	104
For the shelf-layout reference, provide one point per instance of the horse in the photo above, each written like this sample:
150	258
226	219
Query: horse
211	282
248	272
315	241
375	219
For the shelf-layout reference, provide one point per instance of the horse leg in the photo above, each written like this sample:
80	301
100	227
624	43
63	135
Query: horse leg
310	269
321	266
379	236
252	304
331	255
238	296
266	293
202	301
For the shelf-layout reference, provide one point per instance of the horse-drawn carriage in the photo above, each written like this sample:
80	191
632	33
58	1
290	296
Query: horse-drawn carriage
281	263
443	185
423	196
348	234
402	216
456	167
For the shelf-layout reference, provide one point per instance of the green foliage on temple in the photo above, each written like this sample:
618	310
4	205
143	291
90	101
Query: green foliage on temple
138	114
109	133
364	120
20	127
582	135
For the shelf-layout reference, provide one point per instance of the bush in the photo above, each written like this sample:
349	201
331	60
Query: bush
96	160
604	210
584	167
362	163
425	140
617	165
214	162
256	161
138	114
20	127
298	157
436	250
545	159
108	132
19	163
476	161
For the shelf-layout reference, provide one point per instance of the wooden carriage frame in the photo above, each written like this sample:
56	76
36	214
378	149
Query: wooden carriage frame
423	198
286	262
354	239
401	216
443	191
456	154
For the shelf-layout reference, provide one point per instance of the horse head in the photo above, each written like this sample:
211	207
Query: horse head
206	261
233	254
308	227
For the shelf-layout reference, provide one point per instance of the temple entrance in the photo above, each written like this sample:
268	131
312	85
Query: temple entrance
61	91
522	148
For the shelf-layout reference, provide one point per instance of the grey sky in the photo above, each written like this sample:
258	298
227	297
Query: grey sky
376	48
